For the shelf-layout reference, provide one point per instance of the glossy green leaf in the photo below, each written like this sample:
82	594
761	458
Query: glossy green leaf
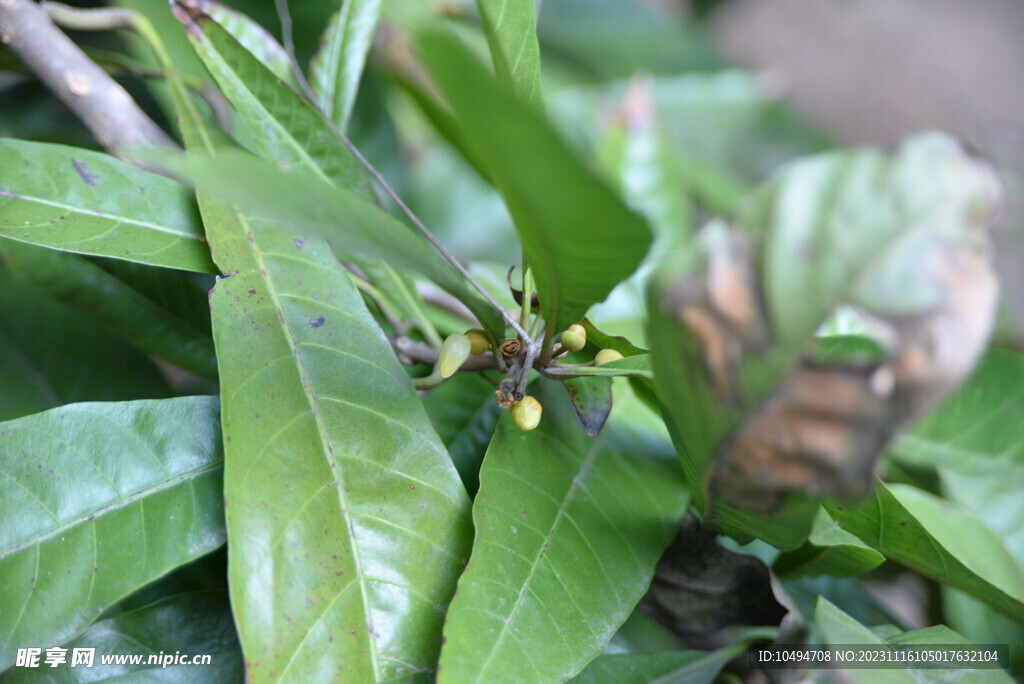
337	65
110	302
100	499
464	412
90	203
442	119
670	667
347	524
43	348
838	629
254	38
194	624
829	550
307	207
511	30
938	540
578	236
285	127
568	531
976	443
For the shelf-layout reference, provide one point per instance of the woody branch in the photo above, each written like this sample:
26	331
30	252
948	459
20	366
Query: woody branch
106	109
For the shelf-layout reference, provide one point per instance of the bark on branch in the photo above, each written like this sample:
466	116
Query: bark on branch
106	109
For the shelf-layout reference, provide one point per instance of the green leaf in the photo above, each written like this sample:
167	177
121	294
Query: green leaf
568	531
337	65
285	127
107	497
82	285
254	38
194	624
938	540
640	633
829	550
347	523
839	629
976	444
669	667
42	345
598	340
578	236
346	519
308	207
90	203
464	412
511	30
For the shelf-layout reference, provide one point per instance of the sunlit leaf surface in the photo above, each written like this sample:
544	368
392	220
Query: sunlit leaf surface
101	499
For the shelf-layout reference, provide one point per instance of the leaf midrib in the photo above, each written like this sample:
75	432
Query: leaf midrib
95	513
570	494
95	214
328	453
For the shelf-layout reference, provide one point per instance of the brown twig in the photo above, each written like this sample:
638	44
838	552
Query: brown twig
412	351
106	109
431	294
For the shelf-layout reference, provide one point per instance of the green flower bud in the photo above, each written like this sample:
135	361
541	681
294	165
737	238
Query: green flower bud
575	338
454	353
479	340
526	413
606	356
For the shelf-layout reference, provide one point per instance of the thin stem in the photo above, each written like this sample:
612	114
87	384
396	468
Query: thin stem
431	294
429	382
98	19
107	110
400	326
289	46
417	312
412	351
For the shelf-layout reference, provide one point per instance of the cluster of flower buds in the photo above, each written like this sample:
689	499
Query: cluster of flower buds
526	412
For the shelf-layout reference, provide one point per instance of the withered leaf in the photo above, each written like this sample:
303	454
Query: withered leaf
919	275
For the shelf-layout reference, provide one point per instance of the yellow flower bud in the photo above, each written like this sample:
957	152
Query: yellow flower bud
526	413
575	338
606	356
454	353
479	341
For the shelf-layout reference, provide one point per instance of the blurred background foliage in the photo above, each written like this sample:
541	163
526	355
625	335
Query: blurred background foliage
683	105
